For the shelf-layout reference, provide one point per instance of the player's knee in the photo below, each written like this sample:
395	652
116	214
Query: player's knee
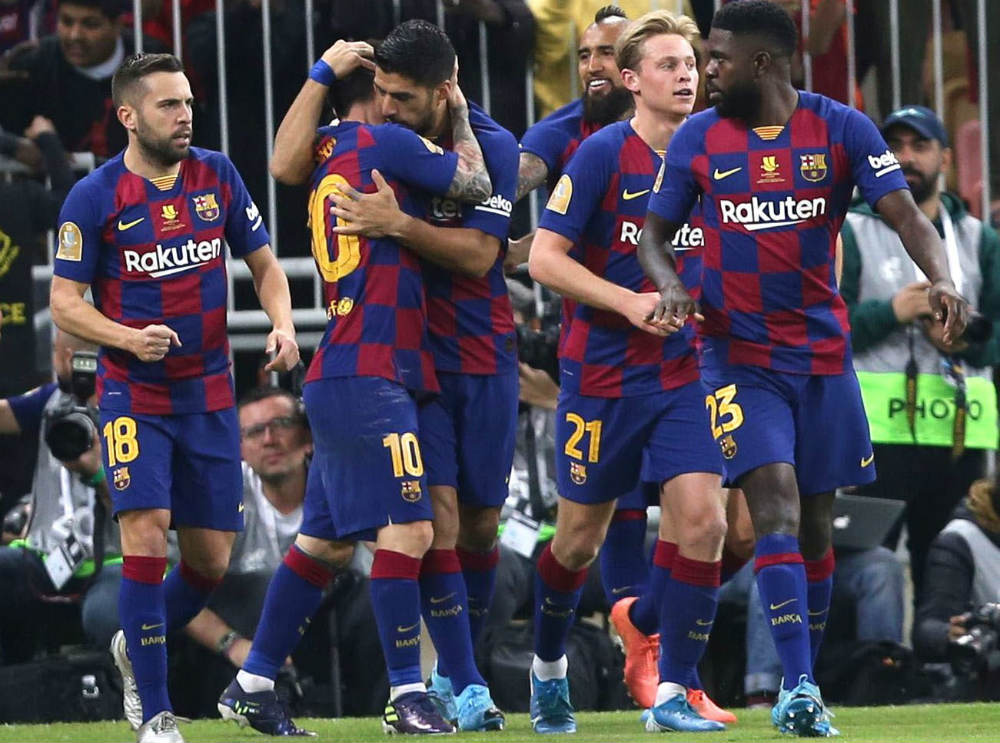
335	553
478	529
575	553
212	566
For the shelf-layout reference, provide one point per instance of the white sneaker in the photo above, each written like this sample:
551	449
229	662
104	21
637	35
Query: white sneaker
130	702
161	728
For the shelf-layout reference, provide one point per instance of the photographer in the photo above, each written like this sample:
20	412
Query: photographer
931	406
955	620
56	557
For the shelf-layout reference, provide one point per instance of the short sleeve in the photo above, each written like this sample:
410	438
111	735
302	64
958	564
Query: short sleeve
544	141
874	167
29	407
406	156
676	190
79	235
493	215
580	189
245	230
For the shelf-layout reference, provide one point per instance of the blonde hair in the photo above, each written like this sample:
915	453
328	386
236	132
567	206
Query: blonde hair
628	48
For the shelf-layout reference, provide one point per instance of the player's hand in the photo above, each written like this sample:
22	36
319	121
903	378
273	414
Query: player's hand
344	57
369	214
153	342
911	302
950	308
456	98
673	307
934	332
285	350
517	252
638	309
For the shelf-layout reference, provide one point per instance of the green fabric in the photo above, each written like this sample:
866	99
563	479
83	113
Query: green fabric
885	402
86	568
545	533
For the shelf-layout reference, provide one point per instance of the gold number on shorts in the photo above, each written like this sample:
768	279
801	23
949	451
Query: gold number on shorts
348	246
720	406
122	446
405	452
591	427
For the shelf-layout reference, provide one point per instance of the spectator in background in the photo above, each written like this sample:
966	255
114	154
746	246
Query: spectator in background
558	26
923	454
19	21
69	77
68	501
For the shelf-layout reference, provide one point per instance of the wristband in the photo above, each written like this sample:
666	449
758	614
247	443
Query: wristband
226	641
95	479
322	73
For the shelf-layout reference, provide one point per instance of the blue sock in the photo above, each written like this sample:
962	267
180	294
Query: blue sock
692	593
557	593
781	579
819	580
623	561
142	611
186	591
480	572
294	594
396	602
647	611
444	604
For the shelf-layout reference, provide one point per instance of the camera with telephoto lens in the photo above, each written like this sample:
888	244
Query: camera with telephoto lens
71	427
970	651
978	328
540	348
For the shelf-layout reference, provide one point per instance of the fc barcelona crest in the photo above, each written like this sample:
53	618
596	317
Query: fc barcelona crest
728	445
578	473
121	478
813	167
410	490
206	207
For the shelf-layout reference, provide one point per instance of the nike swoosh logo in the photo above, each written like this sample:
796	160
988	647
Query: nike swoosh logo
720	174
703	623
151	626
817	613
401	628
775	607
122	226
865	461
623	589
628	195
240	509
436	600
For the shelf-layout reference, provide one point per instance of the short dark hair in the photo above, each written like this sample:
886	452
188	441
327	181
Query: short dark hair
266	393
760	18
609	11
110	9
357	87
417	50
135	68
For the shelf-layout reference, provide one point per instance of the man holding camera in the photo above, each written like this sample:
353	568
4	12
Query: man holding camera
67	525
912	381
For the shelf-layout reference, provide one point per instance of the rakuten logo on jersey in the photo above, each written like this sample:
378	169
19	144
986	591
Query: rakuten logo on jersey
758	214
686	238
884	163
166	261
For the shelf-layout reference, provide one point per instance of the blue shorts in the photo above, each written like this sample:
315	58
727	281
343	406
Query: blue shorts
367	470
816	423
188	464
606	446
468	433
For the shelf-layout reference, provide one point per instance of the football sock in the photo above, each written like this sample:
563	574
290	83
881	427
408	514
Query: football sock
480	572
546	670
819	577
185	591
294	594
646	612
623	559
781	579
692	593
396	602
557	593
142	611
444	606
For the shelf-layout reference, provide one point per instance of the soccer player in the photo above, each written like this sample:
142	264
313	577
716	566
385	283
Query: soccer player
467	433
146	231
774	168
631	405
362	387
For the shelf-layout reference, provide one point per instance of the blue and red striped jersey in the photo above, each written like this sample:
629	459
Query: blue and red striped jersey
600	205
773	200
155	256
373	288
470	318
556	137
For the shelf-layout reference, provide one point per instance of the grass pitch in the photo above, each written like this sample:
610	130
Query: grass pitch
942	723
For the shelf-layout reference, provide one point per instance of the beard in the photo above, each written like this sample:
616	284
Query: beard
923	189
161	150
741	101
607	109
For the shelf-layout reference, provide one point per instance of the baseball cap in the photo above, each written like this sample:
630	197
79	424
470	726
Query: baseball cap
920	119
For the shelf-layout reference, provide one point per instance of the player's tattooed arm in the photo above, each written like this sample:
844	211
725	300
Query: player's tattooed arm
471	181
656	256
531	173
924	246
